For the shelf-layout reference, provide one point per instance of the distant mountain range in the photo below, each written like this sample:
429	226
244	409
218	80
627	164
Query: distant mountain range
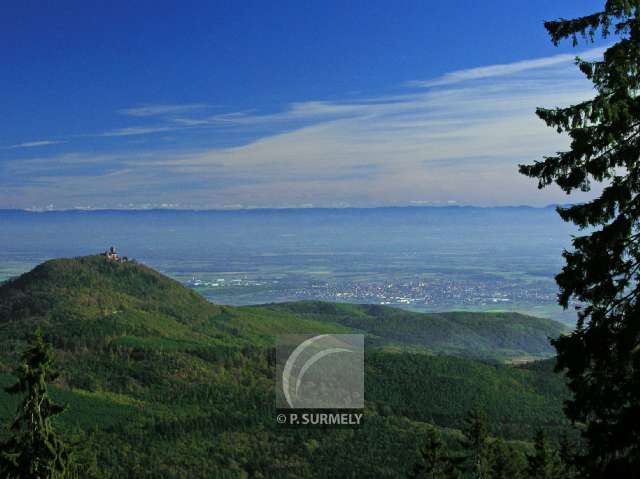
162	383
268	209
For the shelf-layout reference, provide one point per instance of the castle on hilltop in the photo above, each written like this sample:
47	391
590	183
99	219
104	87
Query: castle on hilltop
112	255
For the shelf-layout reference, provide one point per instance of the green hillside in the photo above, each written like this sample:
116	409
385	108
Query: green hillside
488	335
89	301
161	383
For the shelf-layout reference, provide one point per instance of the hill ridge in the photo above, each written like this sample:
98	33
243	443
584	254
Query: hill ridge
136	300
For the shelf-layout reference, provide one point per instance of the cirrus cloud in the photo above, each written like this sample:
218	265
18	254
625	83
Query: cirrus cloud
458	138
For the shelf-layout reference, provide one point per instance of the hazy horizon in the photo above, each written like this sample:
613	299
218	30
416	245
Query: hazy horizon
278	208
420	258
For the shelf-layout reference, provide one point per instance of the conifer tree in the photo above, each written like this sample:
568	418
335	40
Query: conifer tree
544	463
601	357
504	461
476	433
436	462
567	453
34	450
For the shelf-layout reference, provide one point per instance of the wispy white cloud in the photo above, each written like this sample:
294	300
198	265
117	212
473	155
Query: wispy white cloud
460	142
156	110
492	71
33	144
191	121
137	130
168	116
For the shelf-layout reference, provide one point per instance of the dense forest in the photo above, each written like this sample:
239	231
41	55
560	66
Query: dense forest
161	383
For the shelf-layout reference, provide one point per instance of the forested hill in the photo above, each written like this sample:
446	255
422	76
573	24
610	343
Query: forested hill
92	299
502	334
162	383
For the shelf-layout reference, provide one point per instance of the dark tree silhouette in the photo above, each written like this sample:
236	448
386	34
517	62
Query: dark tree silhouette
568	453
602	356
544	463
437	462
34	450
476	442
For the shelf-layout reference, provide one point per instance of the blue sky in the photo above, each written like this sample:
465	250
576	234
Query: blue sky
279	104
